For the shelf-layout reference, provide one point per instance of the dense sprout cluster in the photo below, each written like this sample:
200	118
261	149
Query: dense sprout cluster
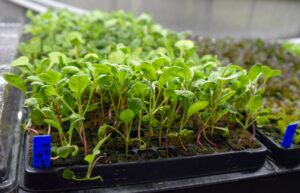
283	94
117	75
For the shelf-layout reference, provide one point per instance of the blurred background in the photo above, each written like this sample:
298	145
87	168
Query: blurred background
268	19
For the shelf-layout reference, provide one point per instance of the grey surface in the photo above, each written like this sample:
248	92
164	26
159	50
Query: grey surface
269	170
269	19
10	12
10	135
9	39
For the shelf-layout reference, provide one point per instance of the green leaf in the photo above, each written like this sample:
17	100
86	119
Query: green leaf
269	72
105	81
102	131
232	76
149	71
282	125
184	45
157	63
70	70
91	56
31	103
54	123
254	104
21	61
78	83
225	97
169	74
92	107
186	133
135	104
117	57
75	151
100	143
65	151
138	88
15	81
196	107
127	116
37	117
122	74
50	77
33	78
90	158
254	72
49	113
221	113
101	69
42	65
56	57
184	93
262	120
169	93
68	174
75	38
225	131
172	135
50	91
69	100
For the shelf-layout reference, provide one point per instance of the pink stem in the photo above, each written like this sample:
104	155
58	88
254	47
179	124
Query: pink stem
83	140
178	108
198	138
109	112
32	131
253	133
209	141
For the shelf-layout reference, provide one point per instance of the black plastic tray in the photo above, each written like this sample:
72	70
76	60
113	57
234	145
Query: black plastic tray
283	156
50	180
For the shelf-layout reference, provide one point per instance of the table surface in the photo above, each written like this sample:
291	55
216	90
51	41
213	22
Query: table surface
269	171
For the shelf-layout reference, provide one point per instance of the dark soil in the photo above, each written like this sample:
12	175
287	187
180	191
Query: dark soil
273	133
190	151
147	154
121	156
115	149
204	149
166	152
241	140
155	142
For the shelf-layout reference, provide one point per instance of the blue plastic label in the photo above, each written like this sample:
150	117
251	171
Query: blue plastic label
41	151
289	135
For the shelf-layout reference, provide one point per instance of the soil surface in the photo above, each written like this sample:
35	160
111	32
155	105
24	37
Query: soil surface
114	151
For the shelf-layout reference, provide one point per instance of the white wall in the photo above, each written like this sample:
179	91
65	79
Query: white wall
216	18
241	18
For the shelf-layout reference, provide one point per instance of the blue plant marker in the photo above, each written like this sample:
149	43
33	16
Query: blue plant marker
289	135
41	151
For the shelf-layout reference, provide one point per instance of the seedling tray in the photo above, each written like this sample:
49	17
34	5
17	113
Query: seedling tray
283	156
161	169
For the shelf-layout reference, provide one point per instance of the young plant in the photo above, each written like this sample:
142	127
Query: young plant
250	91
92	160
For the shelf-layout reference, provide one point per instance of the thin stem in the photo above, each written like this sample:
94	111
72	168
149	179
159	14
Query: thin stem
89	100
208	140
31	130
65	103
90	170
116	130
82	130
49	129
139	126
101	103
